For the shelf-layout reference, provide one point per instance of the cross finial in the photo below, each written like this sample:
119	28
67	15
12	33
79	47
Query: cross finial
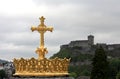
41	29
42	20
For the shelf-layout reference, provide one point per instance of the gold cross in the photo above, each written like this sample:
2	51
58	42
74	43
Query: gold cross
41	29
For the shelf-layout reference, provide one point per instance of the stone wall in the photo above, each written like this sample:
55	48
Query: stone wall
79	43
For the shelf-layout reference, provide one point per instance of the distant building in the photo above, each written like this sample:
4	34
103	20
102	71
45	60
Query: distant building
1	66
88	46
83	43
9	68
113	46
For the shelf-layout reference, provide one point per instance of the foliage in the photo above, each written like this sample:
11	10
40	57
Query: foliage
114	67
73	74
63	53
2	74
75	71
100	65
83	70
118	75
69	53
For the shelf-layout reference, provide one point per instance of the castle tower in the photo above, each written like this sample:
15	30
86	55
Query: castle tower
90	40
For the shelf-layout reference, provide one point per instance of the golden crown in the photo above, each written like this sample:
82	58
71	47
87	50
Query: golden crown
44	67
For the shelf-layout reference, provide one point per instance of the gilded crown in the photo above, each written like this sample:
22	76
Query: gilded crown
51	67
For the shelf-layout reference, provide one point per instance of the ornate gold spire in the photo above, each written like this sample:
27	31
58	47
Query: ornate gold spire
41	50
42	66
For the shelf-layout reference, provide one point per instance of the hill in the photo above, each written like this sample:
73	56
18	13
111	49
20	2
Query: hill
80	63
3	61
81	53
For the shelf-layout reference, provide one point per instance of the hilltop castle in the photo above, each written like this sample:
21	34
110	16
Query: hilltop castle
81	43
88	46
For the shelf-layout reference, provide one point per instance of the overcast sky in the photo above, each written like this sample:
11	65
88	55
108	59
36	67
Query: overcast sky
71	19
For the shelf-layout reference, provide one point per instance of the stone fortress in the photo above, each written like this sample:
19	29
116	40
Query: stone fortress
88	46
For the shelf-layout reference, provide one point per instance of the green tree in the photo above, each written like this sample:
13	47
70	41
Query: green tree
99	65
73	74
114	67
118	75
2	74
85	72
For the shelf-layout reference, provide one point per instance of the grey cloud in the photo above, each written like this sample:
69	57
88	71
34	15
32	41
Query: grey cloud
71	19
15	23
55	2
